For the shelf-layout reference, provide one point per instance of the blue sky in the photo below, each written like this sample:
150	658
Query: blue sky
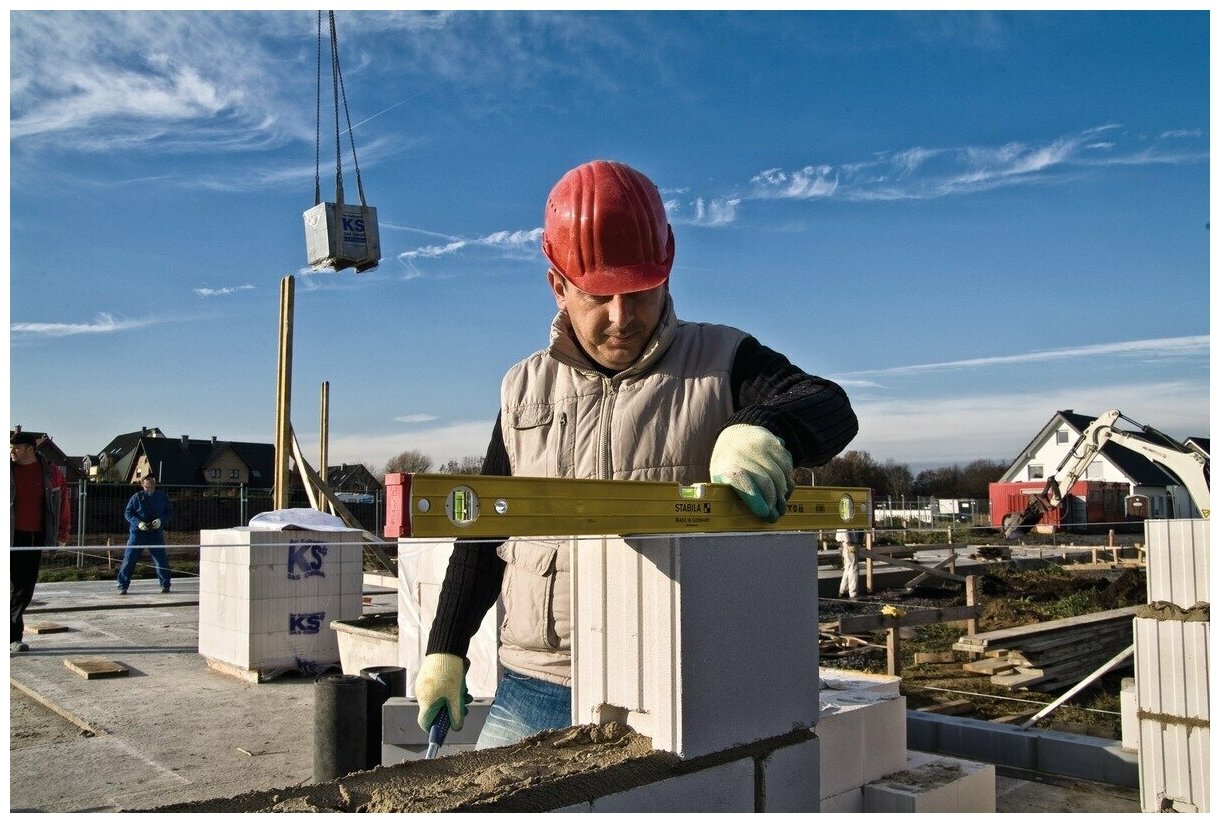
969	220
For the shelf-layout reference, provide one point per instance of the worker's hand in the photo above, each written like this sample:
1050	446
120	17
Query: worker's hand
442	682
156	524
755	463
63	543
142	526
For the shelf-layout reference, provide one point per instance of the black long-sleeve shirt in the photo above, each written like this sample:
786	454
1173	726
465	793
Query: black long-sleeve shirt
811	415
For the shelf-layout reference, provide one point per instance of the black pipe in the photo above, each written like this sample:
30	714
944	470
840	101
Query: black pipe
340	728
383	682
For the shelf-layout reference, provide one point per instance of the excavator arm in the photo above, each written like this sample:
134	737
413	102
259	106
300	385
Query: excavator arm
1191	467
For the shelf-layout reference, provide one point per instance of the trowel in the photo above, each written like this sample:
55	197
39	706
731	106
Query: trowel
437	732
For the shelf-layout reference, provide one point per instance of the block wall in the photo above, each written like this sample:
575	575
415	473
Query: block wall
266	598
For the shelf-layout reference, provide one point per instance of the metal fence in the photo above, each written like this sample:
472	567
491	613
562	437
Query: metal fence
97	509
930	512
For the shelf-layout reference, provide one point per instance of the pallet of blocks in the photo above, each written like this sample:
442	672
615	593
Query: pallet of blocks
1053	655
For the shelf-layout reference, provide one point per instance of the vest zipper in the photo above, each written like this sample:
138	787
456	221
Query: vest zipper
604	467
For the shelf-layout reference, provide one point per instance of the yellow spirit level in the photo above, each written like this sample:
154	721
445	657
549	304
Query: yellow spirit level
451	505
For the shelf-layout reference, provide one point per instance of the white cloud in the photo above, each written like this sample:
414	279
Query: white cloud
449	441
522	243
103	324
923	173
947	430
415	418
227	290
1164	347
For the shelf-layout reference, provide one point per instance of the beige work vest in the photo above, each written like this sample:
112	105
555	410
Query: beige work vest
560	417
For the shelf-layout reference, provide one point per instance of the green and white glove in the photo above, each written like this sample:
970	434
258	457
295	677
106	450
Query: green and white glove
442	682
142	526
156	524
755	463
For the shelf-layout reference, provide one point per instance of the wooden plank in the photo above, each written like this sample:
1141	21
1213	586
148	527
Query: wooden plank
874	555
1005	635
860	624
1018	678
989	666
95	668
935	657
45	628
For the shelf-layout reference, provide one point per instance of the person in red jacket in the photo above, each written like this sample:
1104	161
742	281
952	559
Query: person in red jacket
39	515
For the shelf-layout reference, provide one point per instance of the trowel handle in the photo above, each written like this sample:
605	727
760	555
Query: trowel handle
437	732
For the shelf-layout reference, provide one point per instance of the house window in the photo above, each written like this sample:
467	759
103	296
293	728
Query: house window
1061	437
1034	472
214	474
234	474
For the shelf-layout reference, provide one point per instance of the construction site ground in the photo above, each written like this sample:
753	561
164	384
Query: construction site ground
173	730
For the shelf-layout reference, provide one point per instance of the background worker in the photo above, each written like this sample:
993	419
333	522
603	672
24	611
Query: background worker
850	582
624	391
148	512
40	514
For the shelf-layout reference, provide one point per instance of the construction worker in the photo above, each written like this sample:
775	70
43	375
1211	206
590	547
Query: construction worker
40	514
625	390
850	583
147	513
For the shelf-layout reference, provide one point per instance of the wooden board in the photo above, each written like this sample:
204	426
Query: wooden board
95	668
45	628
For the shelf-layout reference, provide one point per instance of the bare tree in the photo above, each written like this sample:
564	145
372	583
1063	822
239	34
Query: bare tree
471	464
410	461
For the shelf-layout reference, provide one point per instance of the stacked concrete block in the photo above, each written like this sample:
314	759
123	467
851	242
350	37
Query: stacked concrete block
421	571
1179	561
267	598
1171	669
863	737
701	642
931	784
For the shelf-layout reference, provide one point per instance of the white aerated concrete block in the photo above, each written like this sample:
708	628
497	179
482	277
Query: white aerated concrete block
266	598
1179	553
421	572
931	784
1128	705
673	633
847	680
863	737
1172	693
790	778
726	788
848	802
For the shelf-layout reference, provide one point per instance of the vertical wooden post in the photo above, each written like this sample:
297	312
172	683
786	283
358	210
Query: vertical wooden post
324	431
893	651
868	562
283	399
972	599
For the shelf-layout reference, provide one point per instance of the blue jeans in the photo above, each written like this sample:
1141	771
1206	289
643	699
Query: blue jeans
132	556
524	706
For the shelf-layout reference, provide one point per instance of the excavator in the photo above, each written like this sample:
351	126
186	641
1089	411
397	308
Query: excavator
1190	464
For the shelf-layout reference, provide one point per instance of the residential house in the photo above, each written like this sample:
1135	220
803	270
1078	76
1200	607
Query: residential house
354	478
113	463
186	462
1118	486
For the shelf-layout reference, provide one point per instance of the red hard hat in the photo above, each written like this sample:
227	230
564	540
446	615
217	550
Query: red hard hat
605	230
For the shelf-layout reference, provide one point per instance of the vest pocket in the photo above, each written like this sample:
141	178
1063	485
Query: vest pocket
529	596
544	436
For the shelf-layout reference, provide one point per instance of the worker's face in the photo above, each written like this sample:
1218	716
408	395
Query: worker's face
613	329
22	453
148	484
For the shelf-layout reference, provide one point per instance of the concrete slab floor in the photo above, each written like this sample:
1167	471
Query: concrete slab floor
175	730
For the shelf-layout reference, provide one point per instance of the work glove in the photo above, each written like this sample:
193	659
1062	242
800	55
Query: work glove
755	463
156	524
442	682
142	526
